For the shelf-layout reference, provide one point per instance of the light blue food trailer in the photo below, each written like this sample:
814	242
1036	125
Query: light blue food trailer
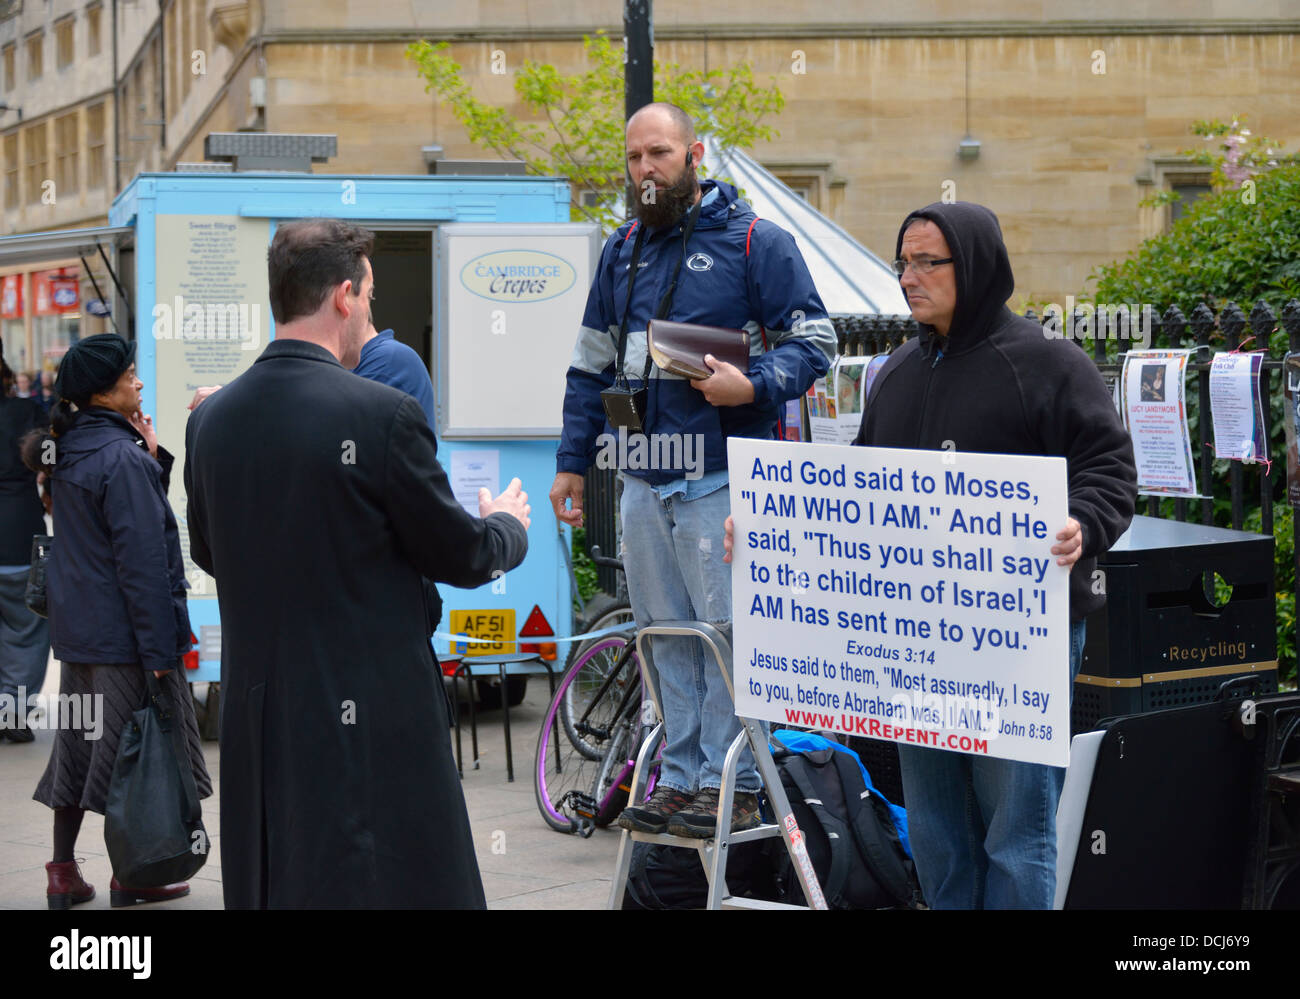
484	276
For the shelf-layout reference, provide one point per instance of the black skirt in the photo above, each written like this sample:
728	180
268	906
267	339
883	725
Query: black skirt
85	742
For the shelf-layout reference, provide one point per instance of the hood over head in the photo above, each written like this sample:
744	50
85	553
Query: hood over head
980	264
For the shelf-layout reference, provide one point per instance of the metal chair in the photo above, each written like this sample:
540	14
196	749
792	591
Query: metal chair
508	664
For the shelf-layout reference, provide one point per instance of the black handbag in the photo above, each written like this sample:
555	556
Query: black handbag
153	826
42	548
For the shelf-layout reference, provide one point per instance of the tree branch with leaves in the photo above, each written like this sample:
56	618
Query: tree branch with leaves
577	129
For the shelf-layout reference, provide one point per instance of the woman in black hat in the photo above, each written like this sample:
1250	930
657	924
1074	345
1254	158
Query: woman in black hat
116	592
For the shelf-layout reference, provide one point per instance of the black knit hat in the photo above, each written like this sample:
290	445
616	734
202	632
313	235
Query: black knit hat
93	365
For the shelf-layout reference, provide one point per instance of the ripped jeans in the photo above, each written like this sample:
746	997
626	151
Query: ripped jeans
672	553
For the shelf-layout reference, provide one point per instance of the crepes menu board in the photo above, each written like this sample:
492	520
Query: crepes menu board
210	320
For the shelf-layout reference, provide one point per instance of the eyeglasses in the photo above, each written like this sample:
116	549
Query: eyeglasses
922	265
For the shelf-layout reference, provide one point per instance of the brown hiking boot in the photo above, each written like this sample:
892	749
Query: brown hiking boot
700	821
652	816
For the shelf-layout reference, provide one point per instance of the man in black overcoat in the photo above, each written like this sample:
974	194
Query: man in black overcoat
317	501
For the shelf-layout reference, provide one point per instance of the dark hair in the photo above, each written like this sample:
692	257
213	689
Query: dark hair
6	376
32	447
309	258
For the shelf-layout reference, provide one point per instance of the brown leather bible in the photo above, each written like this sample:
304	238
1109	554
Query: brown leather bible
679	348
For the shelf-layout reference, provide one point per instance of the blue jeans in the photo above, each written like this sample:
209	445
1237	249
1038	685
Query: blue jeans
672	554
983	830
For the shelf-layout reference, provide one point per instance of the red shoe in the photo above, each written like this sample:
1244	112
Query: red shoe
121	896
66	886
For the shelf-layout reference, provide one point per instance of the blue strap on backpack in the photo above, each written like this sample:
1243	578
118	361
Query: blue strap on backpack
852	832
807	742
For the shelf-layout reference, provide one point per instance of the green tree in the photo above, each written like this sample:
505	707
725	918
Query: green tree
578	131
1239	244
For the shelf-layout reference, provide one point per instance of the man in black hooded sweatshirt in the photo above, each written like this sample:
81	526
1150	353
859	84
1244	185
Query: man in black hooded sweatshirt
979	378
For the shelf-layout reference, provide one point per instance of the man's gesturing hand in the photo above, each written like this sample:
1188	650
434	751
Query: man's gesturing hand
513	501
1071	543
202	393
568	486
727	386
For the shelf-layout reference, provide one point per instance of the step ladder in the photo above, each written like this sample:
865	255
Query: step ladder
713	852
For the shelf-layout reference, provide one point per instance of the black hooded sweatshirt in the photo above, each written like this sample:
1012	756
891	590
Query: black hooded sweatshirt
997	385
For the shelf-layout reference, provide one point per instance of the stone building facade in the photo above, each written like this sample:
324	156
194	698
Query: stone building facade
1076	120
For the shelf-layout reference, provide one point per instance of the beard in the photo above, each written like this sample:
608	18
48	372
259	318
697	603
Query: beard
671	203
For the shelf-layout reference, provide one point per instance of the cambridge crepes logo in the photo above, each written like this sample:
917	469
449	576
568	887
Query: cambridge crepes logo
518	276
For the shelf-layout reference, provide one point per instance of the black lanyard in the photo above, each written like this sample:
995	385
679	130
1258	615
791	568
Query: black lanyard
665	303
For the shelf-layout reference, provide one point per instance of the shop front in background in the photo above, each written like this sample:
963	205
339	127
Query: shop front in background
42	313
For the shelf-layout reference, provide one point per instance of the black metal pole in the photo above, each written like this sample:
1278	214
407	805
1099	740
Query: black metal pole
638	69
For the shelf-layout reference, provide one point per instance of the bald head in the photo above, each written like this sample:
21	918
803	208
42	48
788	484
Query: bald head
681	121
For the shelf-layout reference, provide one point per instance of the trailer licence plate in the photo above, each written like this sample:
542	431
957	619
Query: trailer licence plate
495	627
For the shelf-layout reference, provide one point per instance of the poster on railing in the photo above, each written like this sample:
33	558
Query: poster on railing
1155	414
835	402
820	400
1291	423
1236	404
850	391
903	595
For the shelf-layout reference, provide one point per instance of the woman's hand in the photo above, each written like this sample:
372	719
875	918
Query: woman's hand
144	427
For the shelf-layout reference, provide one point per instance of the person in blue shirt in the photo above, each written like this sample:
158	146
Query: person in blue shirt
387	360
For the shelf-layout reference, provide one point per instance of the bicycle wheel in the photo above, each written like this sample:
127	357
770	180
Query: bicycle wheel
605	612
599	661
570	786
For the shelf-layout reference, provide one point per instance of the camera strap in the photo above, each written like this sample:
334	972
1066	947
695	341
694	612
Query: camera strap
665	303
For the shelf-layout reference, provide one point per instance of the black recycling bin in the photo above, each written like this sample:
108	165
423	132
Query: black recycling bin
1160	641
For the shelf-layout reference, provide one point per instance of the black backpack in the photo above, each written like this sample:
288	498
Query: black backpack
849	832
667	877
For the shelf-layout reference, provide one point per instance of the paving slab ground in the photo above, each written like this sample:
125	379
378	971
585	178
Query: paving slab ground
525	864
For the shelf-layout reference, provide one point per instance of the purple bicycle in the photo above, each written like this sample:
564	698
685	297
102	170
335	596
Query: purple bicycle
590	736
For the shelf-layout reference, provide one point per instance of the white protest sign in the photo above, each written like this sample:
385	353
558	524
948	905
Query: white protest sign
903	595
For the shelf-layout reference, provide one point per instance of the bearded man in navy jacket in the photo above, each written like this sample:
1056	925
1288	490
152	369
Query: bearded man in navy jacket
701	256
979	378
